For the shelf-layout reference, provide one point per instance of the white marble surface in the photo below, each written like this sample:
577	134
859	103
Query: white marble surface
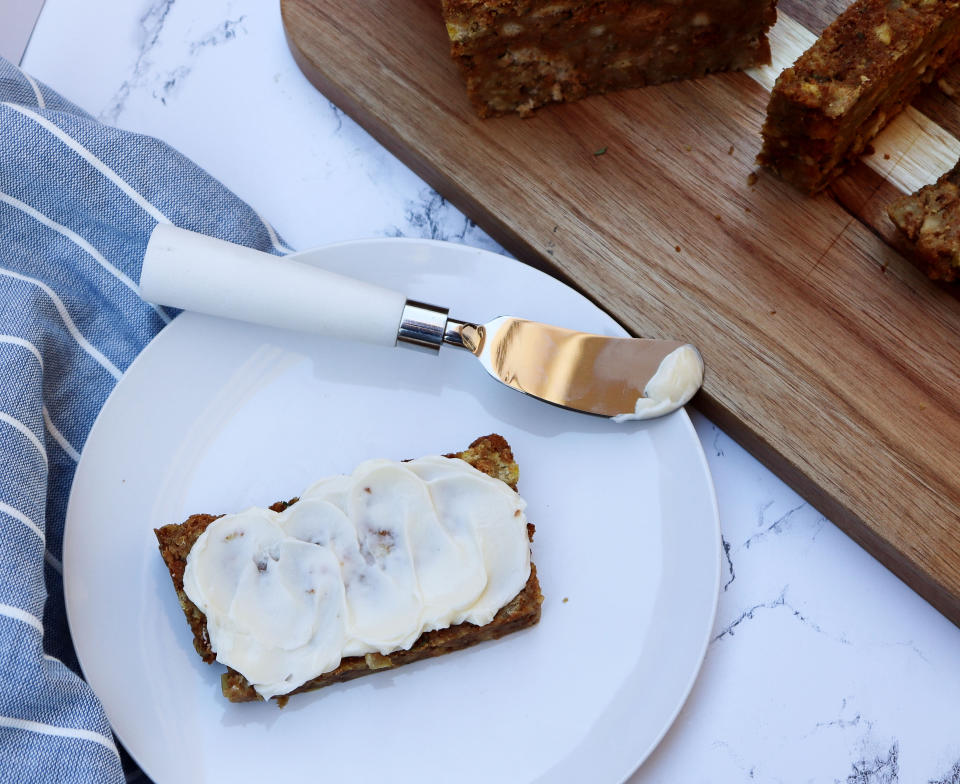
823	667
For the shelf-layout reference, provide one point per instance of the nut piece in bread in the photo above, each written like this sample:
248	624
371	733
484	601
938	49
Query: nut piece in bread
865	68
516	55
929	221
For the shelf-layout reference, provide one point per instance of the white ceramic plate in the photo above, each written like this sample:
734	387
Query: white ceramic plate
215	416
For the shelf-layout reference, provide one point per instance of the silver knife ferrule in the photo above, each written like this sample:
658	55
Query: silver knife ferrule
422	326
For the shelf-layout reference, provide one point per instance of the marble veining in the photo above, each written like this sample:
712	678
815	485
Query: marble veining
881	769
337	115
430	216
731	572
775	604
151	25
226	31
952	776
874	762
162	82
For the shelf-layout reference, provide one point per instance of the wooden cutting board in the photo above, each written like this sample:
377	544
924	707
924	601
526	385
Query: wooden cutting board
828	355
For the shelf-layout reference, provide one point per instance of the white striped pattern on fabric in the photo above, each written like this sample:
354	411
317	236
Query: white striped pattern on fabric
59	437
19	516
16	424
21	615
54	562
68	322
18	341
121	174
92	159
271	232
53	729
36	88
81	242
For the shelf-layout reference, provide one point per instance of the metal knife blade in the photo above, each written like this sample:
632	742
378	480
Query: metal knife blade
622	378
590	373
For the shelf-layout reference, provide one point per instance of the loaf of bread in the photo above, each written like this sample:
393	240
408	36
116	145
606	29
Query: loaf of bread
490	454
930	222
516	55
865	68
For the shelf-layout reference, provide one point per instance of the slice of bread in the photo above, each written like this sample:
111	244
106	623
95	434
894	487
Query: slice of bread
515	55
865	68
490	454
929	221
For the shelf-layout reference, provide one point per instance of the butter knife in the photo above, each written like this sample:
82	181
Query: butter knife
620	378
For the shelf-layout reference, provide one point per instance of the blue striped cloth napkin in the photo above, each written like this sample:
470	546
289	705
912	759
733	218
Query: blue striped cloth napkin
78	201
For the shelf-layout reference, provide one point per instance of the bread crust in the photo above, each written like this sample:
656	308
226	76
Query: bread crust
490	454
516	55
865	68
930	221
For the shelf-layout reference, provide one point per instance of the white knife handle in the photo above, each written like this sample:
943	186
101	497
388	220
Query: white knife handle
191	271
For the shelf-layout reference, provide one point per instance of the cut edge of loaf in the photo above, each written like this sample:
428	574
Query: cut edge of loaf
863	70
515	58
929	222
490	454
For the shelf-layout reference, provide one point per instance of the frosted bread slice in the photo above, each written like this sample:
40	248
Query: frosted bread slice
490	455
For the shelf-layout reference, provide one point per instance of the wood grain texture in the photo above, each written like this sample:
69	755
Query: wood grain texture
815	15
828	355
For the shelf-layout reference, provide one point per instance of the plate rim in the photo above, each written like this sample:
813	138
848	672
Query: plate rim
713	525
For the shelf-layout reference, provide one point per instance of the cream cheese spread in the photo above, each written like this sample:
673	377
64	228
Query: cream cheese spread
361	564
677	379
